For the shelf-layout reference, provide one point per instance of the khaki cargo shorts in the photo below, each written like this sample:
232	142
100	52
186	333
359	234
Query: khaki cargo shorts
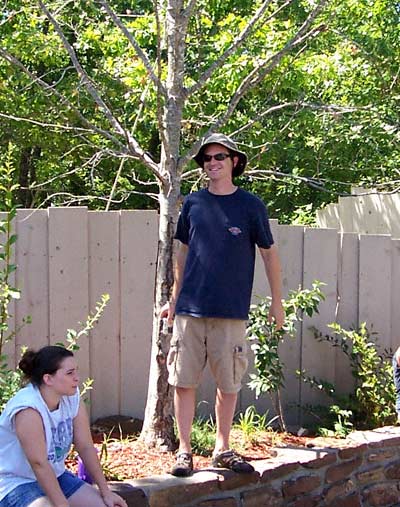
220	341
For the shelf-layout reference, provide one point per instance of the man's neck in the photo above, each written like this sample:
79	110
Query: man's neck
221	187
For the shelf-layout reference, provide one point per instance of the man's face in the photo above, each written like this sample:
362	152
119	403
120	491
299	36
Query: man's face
216	169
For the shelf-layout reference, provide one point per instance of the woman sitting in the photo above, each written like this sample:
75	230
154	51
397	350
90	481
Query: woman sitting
37	427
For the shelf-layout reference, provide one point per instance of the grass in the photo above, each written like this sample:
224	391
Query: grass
248	428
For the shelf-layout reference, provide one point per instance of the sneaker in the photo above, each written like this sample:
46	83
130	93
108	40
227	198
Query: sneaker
229	459
184	465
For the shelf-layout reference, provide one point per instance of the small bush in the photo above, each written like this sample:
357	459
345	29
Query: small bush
203	436
251	424
371	402
265	340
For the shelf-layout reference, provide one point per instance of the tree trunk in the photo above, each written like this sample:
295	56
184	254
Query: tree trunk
158	428
27	174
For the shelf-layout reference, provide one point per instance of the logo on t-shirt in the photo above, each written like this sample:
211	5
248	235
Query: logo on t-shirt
62	440
235	231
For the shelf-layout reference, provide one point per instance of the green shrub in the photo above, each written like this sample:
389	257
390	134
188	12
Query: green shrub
251	424
371	402
202	437
9	379
265	340
10	382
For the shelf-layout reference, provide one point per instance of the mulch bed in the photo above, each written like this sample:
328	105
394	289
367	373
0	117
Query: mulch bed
125	456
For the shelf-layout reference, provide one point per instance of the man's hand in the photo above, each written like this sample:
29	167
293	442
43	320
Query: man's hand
277	314
168	311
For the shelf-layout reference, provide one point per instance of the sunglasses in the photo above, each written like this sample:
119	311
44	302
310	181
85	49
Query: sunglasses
218	156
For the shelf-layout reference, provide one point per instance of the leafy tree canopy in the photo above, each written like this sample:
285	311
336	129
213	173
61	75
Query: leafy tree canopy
326	118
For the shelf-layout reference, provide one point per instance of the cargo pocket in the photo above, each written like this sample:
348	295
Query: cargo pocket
240	363
172	360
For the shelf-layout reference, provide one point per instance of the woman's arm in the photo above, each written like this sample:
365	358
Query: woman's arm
84	445
30	433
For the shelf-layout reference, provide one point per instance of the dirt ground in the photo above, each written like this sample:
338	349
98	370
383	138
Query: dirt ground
124	456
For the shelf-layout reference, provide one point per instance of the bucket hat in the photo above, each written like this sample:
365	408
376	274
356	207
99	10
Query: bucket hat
228	143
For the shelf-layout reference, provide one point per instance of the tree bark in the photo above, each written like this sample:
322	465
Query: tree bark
27	174
158	427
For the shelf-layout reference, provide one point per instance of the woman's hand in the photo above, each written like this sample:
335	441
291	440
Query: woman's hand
113	500
397	356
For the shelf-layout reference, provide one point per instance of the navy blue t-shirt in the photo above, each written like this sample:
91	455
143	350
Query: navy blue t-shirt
221	232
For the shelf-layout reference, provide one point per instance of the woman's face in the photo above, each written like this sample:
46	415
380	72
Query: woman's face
66	379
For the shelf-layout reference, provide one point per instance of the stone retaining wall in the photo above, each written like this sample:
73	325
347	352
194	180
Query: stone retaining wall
361	471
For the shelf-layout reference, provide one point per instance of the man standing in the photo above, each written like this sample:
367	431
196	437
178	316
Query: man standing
218	230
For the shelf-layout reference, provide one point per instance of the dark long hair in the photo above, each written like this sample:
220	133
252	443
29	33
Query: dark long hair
46	360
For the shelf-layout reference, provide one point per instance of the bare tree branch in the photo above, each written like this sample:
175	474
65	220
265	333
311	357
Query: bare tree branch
189	8
265	174
330	108
9	17
259	73
35	79
160	122
54	126
139	113
139	51
320	183
74	199
86	81
262	70
134	146
54	85
110	197
239	41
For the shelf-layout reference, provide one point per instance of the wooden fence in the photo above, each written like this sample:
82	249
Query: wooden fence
365	212
68	257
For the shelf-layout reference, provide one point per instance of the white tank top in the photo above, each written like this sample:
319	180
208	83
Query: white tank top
14	467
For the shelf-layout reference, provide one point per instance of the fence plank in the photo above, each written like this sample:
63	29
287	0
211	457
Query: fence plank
32	278
68	277
348	214
375	285
138	258
391	210
290	240
347	309
395	295
205	396
105	362
320	263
